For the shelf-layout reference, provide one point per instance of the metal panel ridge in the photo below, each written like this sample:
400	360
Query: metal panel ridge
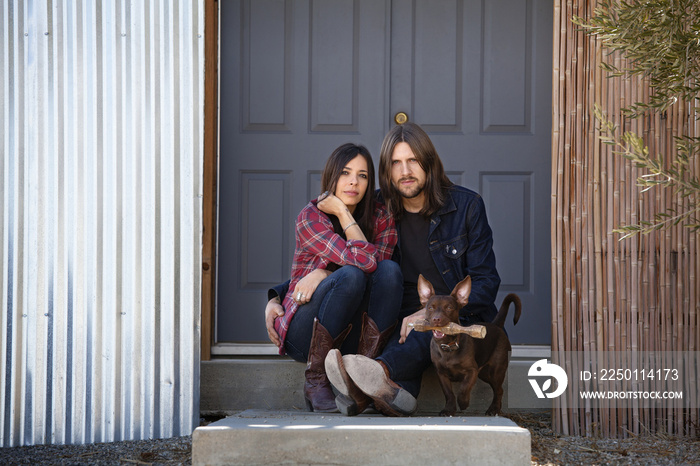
101	155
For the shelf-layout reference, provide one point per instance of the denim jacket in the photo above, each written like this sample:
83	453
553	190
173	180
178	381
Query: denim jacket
460	243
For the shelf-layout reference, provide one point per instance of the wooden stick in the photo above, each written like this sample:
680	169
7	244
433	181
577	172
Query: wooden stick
556	225
475	331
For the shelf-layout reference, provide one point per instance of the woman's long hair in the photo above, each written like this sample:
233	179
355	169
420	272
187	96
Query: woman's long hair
422	147
364	211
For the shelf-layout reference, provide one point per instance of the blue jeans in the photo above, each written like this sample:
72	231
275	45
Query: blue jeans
341	299
406	361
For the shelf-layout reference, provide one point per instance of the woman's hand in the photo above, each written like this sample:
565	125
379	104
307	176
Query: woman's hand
405	329
306	287
273	310
329	203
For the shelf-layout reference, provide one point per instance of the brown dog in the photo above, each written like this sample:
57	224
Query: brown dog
461	358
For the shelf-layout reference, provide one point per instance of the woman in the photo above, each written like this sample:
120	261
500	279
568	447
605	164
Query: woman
341	271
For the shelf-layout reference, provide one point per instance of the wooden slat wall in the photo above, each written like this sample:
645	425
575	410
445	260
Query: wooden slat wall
641	293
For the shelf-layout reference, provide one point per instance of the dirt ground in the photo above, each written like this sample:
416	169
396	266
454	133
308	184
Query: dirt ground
547	449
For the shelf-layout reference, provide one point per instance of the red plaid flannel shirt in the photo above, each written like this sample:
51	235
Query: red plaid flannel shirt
317	245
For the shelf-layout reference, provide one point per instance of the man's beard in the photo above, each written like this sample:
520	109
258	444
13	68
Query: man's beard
412	191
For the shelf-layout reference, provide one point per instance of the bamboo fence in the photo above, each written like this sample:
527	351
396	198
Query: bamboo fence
638	294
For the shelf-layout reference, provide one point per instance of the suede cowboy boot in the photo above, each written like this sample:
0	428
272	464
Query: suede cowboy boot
351	401
372	378
318	392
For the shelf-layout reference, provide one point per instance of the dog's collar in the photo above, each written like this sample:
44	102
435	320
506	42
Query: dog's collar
454	346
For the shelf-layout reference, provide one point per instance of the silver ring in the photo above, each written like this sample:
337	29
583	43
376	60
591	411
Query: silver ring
299	295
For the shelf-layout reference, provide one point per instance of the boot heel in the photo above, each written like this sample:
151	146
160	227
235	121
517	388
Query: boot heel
347	405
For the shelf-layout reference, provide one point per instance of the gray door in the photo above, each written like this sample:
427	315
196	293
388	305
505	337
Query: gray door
299	78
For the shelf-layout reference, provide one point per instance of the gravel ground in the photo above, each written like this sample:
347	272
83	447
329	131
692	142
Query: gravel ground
172	451
547	449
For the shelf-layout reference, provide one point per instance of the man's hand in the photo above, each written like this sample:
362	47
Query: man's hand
273	310
306	287
405	329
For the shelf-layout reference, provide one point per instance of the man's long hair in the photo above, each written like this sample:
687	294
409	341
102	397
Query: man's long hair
424	151
364	210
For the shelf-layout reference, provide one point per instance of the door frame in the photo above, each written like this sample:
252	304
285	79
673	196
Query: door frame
210	173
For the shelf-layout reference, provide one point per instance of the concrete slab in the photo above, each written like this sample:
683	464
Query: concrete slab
232	385
257	437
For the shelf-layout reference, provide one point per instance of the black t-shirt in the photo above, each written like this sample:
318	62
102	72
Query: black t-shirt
416	259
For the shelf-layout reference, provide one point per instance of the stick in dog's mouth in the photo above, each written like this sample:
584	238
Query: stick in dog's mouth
474	331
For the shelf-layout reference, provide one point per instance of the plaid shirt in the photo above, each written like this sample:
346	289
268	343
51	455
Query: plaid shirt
318	245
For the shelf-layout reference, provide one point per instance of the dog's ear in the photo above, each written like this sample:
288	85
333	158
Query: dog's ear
425	290
462	291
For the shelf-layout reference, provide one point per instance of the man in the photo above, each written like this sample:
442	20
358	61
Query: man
443	235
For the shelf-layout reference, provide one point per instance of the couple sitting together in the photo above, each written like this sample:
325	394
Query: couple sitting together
356	265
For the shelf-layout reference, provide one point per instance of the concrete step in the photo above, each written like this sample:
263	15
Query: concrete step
275	383
255	437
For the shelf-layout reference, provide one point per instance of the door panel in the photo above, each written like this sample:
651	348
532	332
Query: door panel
334	60
508	54
299	78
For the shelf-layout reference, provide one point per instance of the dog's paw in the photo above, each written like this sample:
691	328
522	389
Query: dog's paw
493	411
448	412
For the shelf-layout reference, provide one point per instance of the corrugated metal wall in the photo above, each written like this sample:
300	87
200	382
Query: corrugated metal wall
101	104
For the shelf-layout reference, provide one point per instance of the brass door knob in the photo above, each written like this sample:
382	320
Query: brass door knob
401	118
